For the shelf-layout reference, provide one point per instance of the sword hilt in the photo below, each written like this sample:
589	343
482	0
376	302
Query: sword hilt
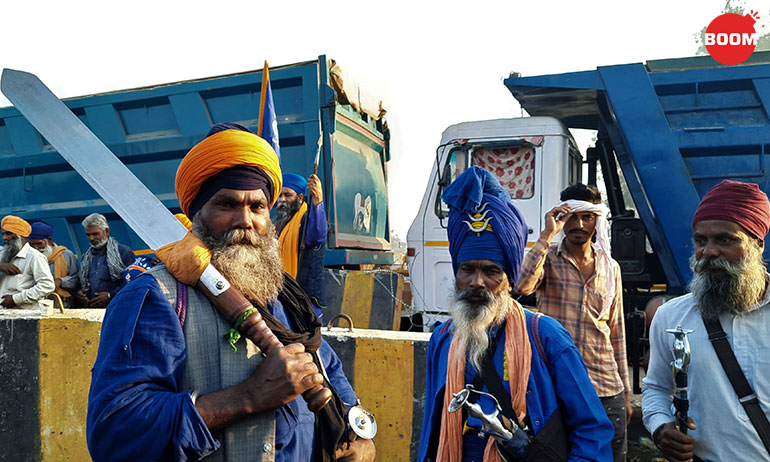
231	304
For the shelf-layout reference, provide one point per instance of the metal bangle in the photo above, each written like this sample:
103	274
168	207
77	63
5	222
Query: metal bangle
194	396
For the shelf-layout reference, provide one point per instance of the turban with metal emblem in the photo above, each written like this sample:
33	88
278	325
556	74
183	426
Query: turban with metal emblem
16	225
229	157
741	203
483	222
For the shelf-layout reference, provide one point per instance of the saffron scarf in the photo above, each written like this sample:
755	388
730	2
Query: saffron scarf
289	240
519	356
60	267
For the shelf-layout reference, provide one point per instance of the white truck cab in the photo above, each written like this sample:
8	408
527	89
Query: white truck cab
533	157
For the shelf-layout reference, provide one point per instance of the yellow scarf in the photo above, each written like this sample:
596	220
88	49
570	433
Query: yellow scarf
519	355
59	267
289	240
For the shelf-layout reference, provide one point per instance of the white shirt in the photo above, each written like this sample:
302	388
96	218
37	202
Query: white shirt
724	430
33	283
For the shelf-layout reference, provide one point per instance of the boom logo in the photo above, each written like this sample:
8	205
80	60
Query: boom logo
731	38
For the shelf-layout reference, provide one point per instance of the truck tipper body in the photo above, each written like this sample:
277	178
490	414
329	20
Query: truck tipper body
667	131
151	129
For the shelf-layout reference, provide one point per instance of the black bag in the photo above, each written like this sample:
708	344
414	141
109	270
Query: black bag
551	444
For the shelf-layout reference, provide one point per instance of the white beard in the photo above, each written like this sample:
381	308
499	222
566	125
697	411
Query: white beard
47	250
471	322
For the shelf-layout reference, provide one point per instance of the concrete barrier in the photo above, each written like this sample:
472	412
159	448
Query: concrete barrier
45	364
46	367
373	299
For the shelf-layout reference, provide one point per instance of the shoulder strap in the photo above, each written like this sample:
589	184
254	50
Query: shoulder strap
746	395
488	376
534	326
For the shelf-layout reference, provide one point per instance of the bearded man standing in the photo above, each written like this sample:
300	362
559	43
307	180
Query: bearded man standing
527	360
303	259
728	289
24	275
175	384
61	261
102	266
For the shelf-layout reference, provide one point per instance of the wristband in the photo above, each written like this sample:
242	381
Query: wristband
233	335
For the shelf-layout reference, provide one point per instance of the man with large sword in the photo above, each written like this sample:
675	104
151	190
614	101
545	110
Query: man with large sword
721	384
173	380
226	185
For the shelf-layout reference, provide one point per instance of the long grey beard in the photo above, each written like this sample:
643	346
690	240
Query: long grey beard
250	262
723	287
284	212
472	321
11	249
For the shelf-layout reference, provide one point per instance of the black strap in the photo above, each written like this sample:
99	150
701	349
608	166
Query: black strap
746	395
489	377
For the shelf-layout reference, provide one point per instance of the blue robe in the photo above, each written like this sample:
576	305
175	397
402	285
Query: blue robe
564	378
137	409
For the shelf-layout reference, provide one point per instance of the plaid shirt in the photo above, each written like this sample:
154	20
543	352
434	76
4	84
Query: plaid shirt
597	329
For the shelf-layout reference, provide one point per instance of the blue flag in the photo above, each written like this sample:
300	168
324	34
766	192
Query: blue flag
268	124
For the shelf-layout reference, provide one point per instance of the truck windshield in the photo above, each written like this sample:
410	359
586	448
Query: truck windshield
514	167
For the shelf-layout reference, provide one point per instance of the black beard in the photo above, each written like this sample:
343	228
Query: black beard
284	212
249	261
722	287
11	249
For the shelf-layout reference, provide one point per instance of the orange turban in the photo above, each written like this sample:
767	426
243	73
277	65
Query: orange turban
16	226
221	151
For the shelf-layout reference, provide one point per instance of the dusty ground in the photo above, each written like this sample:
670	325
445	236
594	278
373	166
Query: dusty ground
640	446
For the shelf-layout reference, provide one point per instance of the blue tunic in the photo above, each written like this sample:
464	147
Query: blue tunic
135	387
564	378
99	279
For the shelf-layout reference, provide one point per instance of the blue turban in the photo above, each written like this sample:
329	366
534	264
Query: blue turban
483	222
296	182
40	230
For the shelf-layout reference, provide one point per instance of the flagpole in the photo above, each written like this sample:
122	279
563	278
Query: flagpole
263	98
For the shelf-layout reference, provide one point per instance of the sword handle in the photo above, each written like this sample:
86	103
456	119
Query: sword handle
231	304
681	403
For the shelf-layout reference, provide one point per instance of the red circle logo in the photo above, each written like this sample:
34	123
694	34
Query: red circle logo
731	38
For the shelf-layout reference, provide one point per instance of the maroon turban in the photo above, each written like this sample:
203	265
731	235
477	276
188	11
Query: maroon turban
741	203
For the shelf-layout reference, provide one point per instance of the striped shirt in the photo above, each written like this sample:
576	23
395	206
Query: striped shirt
581	307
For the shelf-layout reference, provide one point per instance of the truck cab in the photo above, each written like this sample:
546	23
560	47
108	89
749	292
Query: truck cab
534	158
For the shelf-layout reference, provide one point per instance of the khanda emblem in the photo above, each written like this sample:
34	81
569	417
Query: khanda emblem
479	221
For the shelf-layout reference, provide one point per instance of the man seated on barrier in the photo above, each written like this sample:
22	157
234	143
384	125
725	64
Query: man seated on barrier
24	275
526	360
62	262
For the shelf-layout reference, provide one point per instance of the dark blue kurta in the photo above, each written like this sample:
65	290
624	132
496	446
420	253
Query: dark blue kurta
136	409
563	379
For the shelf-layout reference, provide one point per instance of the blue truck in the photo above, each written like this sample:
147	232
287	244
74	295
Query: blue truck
151	129
667	131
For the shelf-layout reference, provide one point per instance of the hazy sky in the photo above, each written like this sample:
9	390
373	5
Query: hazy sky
432	63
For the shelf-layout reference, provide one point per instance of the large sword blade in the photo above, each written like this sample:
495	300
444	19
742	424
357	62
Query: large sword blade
112	180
